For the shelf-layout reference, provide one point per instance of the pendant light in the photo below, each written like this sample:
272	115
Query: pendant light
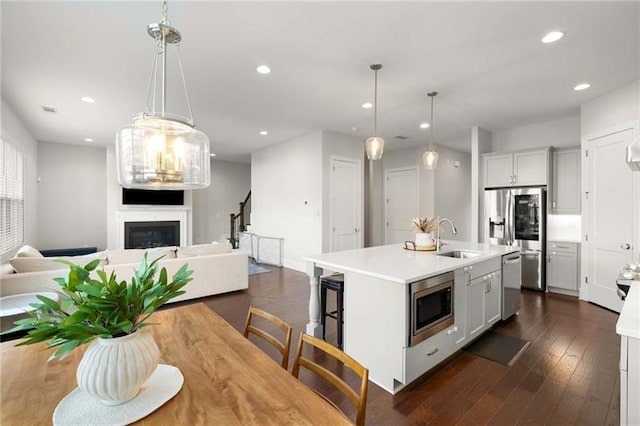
375	144
160	150
430	158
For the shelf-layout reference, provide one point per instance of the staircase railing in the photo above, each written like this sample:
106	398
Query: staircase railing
237	221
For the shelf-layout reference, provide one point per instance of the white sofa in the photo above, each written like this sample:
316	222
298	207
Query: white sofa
216	269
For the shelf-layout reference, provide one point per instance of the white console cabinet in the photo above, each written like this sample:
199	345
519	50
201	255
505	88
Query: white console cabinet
518	168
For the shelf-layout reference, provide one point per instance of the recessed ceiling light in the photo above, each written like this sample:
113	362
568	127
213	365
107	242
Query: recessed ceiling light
88	140
355	128
582	86
552	36
264	132
367	105
88	100
212	155
424	125
263	69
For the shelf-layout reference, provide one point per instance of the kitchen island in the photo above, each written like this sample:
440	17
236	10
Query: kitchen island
377	301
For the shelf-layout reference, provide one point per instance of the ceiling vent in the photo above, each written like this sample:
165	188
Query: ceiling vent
401	137
49	109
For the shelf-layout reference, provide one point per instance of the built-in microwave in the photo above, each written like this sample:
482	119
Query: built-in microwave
431	307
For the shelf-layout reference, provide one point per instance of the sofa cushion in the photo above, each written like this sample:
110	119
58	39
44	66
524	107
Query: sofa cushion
203	250
135	255
28	251
36	264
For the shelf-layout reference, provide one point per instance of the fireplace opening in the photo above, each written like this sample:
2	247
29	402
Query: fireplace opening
141	235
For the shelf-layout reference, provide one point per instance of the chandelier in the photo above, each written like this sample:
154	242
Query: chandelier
160	150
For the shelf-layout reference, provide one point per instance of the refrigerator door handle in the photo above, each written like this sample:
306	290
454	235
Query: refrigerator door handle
509	218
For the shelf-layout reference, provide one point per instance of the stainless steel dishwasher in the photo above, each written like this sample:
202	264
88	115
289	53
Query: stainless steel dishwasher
511	282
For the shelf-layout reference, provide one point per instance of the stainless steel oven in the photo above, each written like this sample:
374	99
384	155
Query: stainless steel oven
431	307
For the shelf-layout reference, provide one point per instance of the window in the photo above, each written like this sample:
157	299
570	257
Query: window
11	198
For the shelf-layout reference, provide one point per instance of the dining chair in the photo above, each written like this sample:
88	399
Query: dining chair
282	347
359	400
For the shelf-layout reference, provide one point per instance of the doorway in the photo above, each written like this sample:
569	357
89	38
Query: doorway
611	214
401	204
345	223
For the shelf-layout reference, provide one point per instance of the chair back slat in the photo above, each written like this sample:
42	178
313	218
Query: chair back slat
282	347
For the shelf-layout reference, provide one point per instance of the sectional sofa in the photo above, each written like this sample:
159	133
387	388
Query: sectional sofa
216	268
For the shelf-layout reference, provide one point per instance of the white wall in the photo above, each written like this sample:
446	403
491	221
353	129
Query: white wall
480	144
374	202
613	109
557	133
336	144
72	196
286	192
230	183
16	133
452	192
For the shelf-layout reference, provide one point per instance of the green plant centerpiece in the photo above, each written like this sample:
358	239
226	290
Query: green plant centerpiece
98	307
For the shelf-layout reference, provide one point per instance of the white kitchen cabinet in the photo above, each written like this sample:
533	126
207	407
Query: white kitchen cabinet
484	292
629	380
492	298
566	182
518	168
562	267
475	307
426	355
460	308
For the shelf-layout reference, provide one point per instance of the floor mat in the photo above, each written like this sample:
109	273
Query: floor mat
257	269
498	347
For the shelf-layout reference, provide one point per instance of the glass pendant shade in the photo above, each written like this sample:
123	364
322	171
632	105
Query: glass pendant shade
430	160
160	153
160	150
374	147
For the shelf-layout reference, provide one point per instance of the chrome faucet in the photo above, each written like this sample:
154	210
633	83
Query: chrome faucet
453	229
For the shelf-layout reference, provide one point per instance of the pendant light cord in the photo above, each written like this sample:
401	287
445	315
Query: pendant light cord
431	127
375	104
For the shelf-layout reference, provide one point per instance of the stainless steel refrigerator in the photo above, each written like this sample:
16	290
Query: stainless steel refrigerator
517	217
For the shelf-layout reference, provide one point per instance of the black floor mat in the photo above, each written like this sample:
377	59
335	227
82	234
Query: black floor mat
498	347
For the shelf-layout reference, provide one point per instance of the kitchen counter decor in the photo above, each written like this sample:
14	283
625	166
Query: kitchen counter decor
424	226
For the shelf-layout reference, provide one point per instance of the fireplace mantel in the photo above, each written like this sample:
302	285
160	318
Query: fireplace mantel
153	215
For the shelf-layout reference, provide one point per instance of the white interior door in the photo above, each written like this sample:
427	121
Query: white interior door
346	205
401	204
611	216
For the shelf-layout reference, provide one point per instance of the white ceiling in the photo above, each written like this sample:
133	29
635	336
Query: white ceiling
485	59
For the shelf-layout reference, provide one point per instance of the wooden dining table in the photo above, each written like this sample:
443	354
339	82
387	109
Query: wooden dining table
227	379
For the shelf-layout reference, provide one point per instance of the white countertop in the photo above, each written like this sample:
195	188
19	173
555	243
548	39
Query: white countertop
629	321
393	263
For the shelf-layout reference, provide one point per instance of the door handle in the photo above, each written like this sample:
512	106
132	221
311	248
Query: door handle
357	229
625	246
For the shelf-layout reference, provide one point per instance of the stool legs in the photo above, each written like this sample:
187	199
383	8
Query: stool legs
323	310
340	320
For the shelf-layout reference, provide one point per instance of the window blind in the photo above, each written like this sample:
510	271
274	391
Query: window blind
11	198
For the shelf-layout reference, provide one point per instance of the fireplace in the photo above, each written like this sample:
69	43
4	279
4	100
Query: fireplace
151	234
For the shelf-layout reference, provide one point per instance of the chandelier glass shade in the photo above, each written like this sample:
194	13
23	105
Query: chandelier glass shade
159	150
430	157
374	146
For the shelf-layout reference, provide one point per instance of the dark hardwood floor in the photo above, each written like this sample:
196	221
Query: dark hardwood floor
569	374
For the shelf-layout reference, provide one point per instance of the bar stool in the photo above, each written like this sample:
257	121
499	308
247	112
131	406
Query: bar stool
334	283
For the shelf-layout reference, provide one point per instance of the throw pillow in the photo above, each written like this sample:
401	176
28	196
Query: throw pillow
203	250
28	251
120	256
37	264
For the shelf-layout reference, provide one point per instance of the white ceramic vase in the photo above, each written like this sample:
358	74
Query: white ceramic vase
113	370
424	239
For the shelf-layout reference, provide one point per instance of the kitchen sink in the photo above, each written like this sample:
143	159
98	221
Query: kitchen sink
460	254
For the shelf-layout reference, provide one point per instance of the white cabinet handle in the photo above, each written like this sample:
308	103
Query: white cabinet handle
433	352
